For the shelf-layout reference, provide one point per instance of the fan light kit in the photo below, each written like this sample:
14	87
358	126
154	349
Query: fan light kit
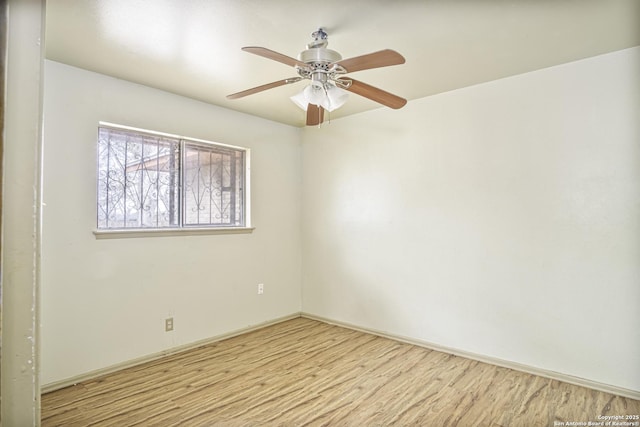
325	68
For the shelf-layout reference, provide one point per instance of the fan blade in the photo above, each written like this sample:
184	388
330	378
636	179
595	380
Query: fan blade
264	87
315	115
270	54
375	94
382	58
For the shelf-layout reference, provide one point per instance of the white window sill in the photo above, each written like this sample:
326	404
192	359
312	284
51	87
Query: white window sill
161	232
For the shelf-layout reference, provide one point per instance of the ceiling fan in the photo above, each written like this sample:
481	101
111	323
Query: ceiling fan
326	69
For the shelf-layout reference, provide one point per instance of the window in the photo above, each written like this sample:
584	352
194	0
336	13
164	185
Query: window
149	180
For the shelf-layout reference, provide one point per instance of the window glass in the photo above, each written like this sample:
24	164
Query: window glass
148	180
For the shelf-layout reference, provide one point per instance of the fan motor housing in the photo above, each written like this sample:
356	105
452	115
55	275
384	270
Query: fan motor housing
319	55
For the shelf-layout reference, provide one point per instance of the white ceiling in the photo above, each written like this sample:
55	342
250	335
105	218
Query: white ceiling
192	47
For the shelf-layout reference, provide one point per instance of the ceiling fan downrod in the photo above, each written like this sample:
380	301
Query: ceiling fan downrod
319	39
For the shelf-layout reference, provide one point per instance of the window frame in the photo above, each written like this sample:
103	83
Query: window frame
181	229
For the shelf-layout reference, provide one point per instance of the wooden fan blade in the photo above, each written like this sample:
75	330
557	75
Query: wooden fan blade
271	54
263	87
315	115
382	58
375	94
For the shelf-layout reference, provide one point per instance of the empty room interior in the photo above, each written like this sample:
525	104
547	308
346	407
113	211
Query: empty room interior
448	236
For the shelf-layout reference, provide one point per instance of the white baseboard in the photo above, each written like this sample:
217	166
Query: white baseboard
155	356
607	388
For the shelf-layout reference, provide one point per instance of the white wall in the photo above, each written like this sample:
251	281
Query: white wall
104	301
501	219
20	208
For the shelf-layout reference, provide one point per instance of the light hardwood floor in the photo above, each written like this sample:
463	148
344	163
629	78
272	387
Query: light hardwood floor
307	373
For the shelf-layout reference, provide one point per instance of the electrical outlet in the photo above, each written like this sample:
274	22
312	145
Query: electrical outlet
168	324
260	288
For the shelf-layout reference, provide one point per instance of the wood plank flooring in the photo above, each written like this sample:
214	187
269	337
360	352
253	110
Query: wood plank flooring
307	373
